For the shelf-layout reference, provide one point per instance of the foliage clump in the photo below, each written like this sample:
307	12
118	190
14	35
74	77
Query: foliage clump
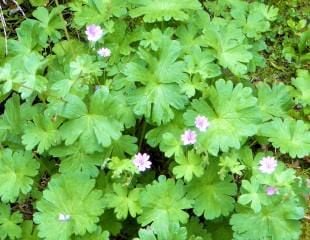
154	120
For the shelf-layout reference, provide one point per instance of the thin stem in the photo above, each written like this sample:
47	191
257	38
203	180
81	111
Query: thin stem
4	30
62	18
142	133
19	8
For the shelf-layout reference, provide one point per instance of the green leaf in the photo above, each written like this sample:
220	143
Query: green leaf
12	120
175	233
98	235
125	145
291	136
157	101
190	165
16	172
273	102
197	230
253	196
37	3
97	11
75	159
172	129
163	202
278	222
31	36
255	19
51	22
29	231
161	78
42	132
302	83
121	167
9	223
201	62
91	126
228	42
212	196
75	196
229	164
123	201
233	115
161	10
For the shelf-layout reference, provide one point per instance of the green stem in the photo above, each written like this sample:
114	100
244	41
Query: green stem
142	134
62	18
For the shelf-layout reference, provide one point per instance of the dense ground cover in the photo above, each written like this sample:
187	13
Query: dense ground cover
154	119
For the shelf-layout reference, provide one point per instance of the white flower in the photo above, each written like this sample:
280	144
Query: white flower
104	52
64	217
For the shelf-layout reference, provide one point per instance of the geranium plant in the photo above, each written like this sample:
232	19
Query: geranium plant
151	120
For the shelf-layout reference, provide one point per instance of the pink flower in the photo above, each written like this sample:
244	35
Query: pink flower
104	52
141	161
202	123
271	191
268	165
94	33
189	137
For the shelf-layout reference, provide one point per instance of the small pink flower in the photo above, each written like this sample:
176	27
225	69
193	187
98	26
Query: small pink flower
189	137
202	123
104	52
271	191
268	165
93	32
141	161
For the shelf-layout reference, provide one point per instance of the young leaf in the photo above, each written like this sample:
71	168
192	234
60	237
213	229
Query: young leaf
229	164
71	205
42	132
123	201
253	196
16	172
190	165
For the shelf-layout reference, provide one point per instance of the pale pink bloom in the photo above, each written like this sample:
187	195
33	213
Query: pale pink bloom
271	191
104	52
189	137
93	32
268	165
202	123
141	161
